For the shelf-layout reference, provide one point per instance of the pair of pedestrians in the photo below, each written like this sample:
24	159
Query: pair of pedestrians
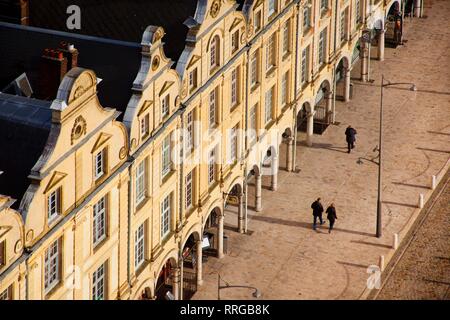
317	214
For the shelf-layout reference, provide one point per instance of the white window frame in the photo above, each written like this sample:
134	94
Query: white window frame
305	65
323	6
213	108
6	294
189	189
165	216
165	106
322	47
270	52
54	204
139	246
193	79
189	146
343	26
145	125
99	221
285	89
166	165
269	105
141	188
234	87
212	166
307	16
99	283
234	144
286	37
99	162
253	122
254	65
52	264
272	8
214	53
358	11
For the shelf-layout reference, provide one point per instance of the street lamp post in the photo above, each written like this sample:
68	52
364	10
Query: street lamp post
380	151
256	293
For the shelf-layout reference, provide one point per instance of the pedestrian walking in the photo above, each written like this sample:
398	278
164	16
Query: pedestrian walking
350	135
317	212
331	216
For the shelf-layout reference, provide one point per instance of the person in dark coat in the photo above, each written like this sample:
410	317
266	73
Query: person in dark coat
350	135
317	212
331	216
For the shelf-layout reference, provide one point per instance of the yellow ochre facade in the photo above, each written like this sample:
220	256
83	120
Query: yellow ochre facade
122	209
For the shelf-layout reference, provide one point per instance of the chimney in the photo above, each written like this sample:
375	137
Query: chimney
53	70
71	53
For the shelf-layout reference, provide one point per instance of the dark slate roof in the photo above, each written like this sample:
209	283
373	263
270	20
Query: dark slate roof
117	63
120	19
24	128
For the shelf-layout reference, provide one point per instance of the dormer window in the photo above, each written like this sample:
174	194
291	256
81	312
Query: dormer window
214	53
257	23
235	41
193	80
272	7
99	163
165	106
54	204
2	253
145	126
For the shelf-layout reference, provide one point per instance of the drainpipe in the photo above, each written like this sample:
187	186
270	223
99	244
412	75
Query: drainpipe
131	159
180	163
294	151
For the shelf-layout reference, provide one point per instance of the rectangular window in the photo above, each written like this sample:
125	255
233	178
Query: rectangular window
2	253
54	204
322	46
272	7
358	11
269	104
139	246
193	79
323	6
165	217
235	41
140	182
343	28
145	126
305	64
165	152
233	144
285	89
286	36
258	21
99	221
307	16
234	86
270	52
189	189
212	166
254	68
165	107
7	294
190	132
99	283
253	113
100	164
52	266
212	108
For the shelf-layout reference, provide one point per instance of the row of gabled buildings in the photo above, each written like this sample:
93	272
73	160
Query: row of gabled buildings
123	143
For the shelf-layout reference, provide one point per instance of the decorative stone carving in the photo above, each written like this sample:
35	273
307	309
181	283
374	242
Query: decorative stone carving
30	235
155	63
158	35
215	8
79	129
184	89
122	153
18	246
